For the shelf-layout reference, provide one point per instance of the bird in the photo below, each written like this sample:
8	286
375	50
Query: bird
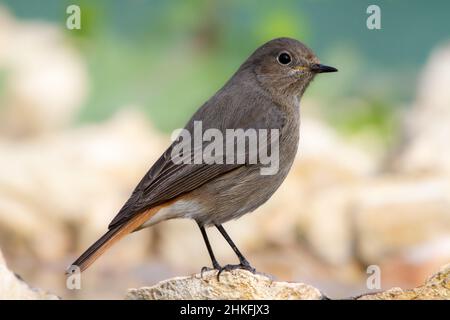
264	93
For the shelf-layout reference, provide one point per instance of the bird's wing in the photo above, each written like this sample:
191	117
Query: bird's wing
167	180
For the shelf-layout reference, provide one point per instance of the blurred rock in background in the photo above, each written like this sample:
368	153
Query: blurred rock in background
426	131
14	288
45	78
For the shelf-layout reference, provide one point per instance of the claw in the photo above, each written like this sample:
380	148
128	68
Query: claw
218	274
230	267
204	269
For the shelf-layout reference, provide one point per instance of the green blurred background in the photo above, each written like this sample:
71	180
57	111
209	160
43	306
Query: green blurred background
169	56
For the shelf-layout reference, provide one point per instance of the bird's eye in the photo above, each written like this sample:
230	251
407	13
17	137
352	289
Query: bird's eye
284	58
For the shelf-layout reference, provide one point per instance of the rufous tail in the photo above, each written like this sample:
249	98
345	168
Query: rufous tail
109	238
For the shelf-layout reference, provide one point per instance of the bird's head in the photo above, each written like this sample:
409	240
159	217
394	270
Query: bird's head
285	66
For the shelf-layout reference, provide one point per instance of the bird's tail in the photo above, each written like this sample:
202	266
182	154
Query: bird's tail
109	238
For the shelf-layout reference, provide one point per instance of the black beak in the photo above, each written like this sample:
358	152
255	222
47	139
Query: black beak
321	68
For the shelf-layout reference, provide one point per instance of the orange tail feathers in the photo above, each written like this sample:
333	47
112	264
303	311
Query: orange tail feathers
111	237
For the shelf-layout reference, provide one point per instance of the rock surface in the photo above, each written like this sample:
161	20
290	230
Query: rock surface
243	285
14	288
437	287
237	284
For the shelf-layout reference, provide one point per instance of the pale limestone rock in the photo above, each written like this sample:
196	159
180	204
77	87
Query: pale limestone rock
395	215
238	284
329	229
40	195
241	284
320	143
46	78
437	287
13	288
426	132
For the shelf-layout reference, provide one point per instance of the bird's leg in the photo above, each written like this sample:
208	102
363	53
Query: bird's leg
243	263
215	264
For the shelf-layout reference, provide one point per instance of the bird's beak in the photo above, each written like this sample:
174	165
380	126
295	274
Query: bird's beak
321	68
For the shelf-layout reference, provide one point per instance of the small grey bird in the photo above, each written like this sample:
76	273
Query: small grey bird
264	93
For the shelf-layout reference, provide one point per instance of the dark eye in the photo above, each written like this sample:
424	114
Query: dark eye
284	58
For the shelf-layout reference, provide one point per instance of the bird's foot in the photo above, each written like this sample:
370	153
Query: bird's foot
205	269
229	267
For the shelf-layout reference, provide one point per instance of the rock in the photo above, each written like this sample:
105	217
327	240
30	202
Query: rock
14	288
72	207
424	147
322	192
243	285
45	80
237	284
394	215
329	233
437	287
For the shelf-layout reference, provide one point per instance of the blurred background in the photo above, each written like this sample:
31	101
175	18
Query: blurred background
85	113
